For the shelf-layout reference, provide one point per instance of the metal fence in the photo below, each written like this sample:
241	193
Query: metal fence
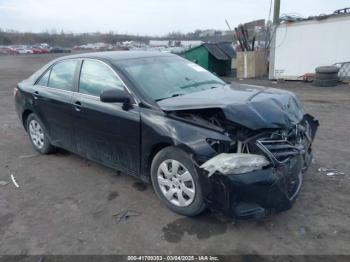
344	71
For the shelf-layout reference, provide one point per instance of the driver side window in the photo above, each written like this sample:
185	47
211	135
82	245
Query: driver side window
96	77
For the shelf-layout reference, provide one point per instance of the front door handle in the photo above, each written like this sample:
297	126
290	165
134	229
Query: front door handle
77	106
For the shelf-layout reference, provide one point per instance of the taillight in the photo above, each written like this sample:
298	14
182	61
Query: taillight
16	92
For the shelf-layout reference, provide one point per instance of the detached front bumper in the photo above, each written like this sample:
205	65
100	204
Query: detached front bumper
255	194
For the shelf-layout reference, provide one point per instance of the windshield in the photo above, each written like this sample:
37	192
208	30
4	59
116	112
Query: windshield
165	77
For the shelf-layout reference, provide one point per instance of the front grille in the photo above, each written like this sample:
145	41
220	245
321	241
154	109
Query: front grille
279	151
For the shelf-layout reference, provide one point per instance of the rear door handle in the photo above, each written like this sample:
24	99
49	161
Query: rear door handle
36	95
77	106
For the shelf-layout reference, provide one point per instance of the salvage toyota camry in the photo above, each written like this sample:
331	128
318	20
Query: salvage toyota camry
201	142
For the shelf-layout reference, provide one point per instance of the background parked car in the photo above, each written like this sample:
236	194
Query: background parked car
37	50
5	50
24	51
58	49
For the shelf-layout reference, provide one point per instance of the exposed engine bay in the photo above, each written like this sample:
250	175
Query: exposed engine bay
278	145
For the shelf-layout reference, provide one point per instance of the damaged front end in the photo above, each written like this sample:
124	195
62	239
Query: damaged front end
258	172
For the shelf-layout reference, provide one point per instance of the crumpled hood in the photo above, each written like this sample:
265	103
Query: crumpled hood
251	106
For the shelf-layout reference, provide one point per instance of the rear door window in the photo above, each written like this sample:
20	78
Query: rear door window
62	75
97	77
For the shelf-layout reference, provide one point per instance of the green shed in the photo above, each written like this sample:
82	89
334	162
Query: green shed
215	57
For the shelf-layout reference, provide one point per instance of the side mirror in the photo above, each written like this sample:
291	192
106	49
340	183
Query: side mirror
114	96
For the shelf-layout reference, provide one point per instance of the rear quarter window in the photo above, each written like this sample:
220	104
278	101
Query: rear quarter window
44	79
62	75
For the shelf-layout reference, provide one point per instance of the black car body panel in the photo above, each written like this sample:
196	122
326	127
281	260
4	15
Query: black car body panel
54	108
107	133
258	193
160	130
203	124
250	106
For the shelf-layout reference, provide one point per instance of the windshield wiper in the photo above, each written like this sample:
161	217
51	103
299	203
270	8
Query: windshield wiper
201	83
174	95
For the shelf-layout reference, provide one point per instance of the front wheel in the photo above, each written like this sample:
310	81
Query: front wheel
175	181
38	136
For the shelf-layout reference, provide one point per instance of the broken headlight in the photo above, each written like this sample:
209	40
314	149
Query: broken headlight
235	163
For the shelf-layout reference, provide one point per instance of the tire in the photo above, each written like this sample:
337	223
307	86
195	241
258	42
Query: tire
327	69
325	83
333	76
38	135
184	182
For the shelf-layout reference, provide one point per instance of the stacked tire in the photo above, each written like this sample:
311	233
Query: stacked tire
326	76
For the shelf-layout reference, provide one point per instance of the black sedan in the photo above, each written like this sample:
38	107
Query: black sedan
201	142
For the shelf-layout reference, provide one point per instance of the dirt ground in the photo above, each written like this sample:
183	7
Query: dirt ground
65	204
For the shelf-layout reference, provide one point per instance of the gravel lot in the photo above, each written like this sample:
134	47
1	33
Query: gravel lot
65	203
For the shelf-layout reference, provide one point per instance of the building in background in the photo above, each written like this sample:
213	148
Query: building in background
175	43
209	32
215	57
299	46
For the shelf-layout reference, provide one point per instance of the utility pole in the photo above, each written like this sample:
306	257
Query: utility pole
276	21
233	33
276	12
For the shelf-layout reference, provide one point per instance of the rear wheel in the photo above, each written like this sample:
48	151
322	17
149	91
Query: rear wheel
38	135
175	180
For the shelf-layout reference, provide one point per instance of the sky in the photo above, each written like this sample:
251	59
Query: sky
146	17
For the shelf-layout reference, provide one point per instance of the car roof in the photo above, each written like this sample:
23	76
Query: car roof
117	55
